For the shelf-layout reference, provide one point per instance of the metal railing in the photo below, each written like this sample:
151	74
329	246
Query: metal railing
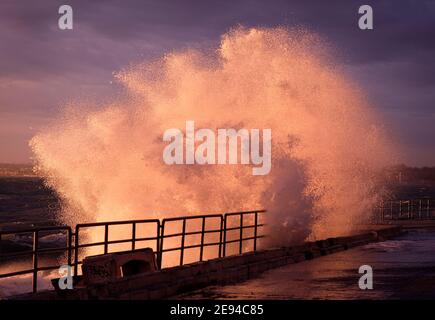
241	228
75	242
183	234
412	209
106	242
36	251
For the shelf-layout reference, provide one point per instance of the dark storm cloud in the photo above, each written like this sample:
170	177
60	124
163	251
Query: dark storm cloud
402	28
41	65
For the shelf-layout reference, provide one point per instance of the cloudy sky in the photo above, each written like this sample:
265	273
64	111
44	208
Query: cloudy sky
42	67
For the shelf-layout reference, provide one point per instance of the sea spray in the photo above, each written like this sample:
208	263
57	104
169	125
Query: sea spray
328	148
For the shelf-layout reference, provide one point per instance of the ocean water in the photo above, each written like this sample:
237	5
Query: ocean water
26	202
400	265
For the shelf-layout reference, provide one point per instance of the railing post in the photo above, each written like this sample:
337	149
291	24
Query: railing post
35	260
224	245
69	239
1	247
220	237
161	236
201	249
419	208
106	238
409	209
183	235
255	230
241	234
76	251
133	236
391	210
400	209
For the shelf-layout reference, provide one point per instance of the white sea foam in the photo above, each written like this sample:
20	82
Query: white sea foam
328	146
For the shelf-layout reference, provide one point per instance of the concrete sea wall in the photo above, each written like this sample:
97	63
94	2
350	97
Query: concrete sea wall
169	282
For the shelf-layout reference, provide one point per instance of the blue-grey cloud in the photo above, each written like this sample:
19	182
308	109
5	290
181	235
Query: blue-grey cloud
42	66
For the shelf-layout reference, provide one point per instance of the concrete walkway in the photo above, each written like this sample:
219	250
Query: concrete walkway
403	268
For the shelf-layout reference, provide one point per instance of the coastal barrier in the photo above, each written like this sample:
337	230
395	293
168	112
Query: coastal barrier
169	282
224	234
405	209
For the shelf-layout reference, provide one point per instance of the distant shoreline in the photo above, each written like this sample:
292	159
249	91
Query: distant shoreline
12	170
397	174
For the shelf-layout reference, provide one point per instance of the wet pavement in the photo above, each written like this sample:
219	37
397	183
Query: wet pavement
403	268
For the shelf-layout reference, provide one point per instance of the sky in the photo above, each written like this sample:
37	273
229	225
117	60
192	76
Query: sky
43	67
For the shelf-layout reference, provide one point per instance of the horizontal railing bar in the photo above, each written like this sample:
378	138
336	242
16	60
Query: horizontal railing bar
94	244
26	253
145	239
31	230
192	217
47	250
244	212
245	227
48	268
16	273
415	205
250	238
409	199
86	245
23	272
112	223
191	246
171	235
406	203
18	254
212	244
210	231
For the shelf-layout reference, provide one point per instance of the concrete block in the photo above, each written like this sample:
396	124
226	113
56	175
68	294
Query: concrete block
221	277
185	271
229	262
107	267
250	257
215	265
277	262
275	252
237	273
335	248
117	287
256	268
322	244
